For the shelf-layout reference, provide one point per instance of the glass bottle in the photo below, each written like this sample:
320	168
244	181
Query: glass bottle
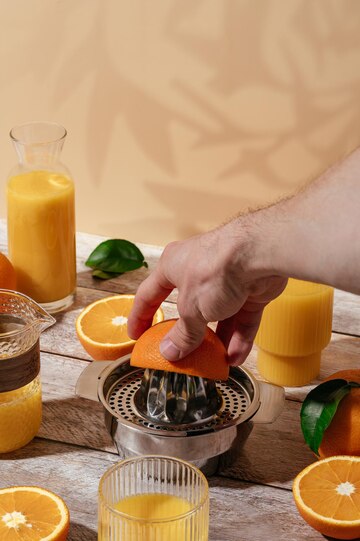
41	216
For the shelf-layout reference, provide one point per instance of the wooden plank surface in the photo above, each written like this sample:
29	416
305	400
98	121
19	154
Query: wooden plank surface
250	500
238	510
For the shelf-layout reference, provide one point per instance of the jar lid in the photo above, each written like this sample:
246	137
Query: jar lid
17	371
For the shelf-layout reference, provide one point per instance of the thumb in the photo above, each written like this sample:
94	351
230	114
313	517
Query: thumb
182	339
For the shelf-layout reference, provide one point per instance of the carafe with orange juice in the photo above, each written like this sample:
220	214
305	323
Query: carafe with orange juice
41	216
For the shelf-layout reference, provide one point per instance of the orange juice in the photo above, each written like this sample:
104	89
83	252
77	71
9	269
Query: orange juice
153	498
41	234
20	416
151	509
294	329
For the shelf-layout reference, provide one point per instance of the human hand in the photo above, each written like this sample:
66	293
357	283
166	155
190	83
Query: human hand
214	284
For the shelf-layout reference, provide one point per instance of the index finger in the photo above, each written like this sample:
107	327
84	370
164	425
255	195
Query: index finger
150	294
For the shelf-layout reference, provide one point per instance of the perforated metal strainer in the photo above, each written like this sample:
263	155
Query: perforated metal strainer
242	401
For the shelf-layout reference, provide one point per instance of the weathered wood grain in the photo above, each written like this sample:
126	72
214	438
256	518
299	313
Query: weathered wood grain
249	512
74	448
274	453
346	318
238	510
66	417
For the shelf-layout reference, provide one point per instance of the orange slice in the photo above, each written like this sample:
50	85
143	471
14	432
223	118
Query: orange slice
327	495
209	360
32	514
102	327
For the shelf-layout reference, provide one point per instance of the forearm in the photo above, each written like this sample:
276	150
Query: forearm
314	235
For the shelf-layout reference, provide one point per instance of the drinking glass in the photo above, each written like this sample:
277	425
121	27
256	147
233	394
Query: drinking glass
153	498
295	328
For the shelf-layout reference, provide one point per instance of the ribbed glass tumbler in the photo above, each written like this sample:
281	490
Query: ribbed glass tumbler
153	498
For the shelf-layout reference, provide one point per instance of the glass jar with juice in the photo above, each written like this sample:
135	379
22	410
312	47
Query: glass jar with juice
21	323
41	216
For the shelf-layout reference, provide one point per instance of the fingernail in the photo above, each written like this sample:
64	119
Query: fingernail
169	350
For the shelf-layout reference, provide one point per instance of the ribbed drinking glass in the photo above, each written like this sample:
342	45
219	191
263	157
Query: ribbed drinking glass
153	498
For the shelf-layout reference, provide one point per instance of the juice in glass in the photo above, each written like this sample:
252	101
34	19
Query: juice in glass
158	507
294	329
41	234
20	416
153	498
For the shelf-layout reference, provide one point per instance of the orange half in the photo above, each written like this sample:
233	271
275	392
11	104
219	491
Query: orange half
32	514
327	495
209	360
102	327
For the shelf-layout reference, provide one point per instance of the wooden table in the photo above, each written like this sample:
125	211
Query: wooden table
251	501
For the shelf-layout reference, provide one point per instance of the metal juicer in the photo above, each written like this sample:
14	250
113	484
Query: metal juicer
199	420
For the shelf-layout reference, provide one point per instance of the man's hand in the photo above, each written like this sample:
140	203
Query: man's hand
213	285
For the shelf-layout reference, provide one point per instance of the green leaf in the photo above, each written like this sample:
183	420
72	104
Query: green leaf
319	408
115	256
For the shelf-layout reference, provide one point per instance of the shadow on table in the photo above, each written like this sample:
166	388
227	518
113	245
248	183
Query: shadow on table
79	532
39	448
76	421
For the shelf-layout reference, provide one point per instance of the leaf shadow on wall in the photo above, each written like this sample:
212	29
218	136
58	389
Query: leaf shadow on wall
243	33
316	26
184	208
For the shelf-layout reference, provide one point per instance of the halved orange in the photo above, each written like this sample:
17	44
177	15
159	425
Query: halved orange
102	327
32	514
327	495
209	360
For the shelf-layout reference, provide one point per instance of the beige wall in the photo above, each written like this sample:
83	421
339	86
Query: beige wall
182	112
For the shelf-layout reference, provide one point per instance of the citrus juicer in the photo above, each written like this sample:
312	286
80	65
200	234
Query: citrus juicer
169	397
202	421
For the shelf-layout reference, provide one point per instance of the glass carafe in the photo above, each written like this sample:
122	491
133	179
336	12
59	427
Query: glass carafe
41	216
21	323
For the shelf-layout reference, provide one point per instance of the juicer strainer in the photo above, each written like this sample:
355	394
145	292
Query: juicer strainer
244	401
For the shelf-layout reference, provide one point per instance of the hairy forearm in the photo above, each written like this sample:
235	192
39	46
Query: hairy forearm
314	235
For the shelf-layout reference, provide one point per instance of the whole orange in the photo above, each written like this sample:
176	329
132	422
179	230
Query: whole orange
209	360
342	437
7	273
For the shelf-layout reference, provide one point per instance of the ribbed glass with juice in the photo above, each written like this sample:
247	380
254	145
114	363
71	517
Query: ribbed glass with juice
153	498
294	329
41	216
